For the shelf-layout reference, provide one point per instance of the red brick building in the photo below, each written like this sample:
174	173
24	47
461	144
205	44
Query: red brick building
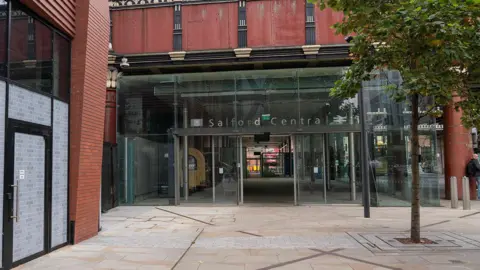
53	58
197	81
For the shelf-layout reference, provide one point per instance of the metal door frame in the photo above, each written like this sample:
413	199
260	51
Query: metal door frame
16	126
216	145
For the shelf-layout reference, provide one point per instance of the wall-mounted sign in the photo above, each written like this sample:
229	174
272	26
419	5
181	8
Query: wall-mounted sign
192	163
272	121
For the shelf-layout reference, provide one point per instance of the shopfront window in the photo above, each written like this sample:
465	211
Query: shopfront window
255	101
3	40
39	56
220	112
268	100
61	67
388	130
31	52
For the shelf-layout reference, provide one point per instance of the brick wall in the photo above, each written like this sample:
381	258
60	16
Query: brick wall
89	67
60	13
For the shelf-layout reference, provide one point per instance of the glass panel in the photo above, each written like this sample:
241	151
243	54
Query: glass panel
146	158
208	98
388	127
146	105
227	169
31	52
149	178
61	67
199	169
3	40
247	102
317	108
339	183
267	100
312	170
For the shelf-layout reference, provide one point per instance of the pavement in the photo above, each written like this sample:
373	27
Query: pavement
280	237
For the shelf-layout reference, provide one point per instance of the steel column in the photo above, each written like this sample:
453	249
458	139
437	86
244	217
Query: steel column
241	169
351	147
294	143
213	168
185	155
324	145
177	170
364	157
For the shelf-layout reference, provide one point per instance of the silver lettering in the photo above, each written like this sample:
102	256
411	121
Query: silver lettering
272	121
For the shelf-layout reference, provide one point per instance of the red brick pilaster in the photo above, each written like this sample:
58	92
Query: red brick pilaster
458	151
89	62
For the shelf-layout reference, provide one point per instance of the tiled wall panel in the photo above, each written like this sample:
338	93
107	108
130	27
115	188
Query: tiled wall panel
29	106
28	229
59	173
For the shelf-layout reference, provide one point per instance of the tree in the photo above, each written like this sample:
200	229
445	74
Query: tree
434	44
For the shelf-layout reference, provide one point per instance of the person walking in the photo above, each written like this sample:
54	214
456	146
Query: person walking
473	171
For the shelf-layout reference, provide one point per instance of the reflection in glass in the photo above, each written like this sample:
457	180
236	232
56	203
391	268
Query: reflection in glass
3	41
31	52
61	67
225	105
388	129
146	170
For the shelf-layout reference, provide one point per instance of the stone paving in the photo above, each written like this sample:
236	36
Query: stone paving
275	237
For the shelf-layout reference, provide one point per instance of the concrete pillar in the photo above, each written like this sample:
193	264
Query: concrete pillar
458	151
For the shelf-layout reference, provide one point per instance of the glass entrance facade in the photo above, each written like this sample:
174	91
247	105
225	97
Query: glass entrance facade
262	136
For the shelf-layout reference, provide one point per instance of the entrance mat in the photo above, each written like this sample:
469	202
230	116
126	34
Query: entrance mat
438	241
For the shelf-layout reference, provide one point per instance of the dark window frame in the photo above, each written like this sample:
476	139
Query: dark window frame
14	5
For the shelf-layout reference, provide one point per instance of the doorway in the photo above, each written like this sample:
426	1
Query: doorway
27	213
327	168
296	169
268	170
211	169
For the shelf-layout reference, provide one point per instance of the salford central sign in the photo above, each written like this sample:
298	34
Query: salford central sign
273	121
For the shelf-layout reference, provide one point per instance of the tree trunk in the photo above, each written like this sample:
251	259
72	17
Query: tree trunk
415	222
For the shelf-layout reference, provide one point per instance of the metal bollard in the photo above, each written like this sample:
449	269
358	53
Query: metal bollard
454	192
466	193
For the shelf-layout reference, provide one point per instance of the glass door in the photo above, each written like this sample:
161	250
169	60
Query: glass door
310	168
227	168
343	168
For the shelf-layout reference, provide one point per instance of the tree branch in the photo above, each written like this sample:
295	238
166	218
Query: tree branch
435	105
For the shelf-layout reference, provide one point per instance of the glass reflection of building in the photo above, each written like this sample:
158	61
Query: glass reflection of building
313	139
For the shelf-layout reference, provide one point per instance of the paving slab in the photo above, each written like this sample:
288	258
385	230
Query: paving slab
263	238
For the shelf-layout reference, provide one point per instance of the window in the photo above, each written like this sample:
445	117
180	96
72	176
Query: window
3	35
61	67
31	52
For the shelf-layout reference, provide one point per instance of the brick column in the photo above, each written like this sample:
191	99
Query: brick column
458	151
89	62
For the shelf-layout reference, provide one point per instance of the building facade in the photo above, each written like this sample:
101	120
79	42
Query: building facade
51	123
228	102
